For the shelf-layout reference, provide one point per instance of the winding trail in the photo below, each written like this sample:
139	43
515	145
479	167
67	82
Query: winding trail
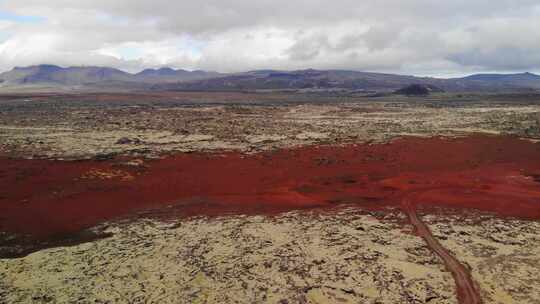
467	290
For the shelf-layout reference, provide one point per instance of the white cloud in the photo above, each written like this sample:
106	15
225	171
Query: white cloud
412	36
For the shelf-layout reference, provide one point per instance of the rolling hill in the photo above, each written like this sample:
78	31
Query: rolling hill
55	76
353	80
168	79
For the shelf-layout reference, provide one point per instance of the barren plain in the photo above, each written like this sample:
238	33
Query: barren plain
269	198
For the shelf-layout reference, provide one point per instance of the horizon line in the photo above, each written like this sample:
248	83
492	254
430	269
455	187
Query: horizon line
464	75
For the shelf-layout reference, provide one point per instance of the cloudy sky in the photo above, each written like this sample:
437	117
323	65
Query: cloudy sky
422	37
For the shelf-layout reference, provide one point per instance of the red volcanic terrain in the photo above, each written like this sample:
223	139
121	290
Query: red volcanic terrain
43	198
269	197
51	200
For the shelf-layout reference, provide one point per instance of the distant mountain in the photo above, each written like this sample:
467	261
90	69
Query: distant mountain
54	75
504	77
301	79
353	80
163	72
180	80
171	75
51	75
503	81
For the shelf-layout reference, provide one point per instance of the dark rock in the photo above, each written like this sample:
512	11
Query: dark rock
127	141
418	90
104	156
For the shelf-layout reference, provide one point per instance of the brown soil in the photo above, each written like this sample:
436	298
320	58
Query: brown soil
467	290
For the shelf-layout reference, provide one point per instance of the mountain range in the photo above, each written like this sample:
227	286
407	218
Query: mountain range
52	75
106	78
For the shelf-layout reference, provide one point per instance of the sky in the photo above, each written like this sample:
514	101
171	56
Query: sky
418	37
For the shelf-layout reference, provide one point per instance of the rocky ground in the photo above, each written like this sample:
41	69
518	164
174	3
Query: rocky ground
503	254
347	256
344	256
72	129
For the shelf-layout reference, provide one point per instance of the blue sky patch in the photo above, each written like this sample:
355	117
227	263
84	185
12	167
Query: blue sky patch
20	18
130	53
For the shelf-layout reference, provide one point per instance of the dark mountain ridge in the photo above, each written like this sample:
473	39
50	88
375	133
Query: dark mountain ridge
167	74
503	77
309	79
88	75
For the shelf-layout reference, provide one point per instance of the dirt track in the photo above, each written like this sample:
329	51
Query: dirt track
467	289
